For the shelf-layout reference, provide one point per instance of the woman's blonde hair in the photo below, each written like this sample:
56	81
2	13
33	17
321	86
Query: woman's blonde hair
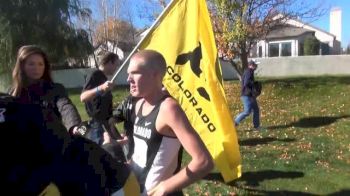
19	79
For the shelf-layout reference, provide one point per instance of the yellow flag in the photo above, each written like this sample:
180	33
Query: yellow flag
185	38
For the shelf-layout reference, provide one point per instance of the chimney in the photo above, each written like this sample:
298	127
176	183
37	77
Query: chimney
335	22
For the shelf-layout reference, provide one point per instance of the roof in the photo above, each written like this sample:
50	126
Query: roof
303	24
287	31
314	27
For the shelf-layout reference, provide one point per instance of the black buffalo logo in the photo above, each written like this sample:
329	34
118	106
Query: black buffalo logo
203	93
194	57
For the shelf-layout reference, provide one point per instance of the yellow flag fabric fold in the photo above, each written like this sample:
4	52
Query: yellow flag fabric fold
185	38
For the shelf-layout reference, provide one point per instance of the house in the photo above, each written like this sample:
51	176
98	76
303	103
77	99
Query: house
287	40
100	49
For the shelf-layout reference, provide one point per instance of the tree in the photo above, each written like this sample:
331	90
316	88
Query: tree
238	24
150	9
117	31
111	26
311	46
45	23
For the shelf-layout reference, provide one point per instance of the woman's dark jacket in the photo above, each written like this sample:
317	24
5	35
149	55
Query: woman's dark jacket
54	102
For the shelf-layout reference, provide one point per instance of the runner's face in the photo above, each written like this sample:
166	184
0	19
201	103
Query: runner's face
139	78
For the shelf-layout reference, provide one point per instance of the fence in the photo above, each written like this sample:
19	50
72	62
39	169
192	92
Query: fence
268	67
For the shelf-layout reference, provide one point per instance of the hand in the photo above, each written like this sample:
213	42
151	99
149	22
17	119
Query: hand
106	138
79	130
107	86
159	190
123	140
75	131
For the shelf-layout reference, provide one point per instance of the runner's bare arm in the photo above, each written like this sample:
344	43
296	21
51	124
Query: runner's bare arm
172	117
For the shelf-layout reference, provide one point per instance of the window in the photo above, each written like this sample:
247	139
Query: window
286	49
280	49
273	50
324	48
260	51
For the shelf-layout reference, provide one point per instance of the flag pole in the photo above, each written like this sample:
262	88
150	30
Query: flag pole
160	17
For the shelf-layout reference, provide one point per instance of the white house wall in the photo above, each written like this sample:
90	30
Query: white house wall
320	35
304	66
261	43
75	78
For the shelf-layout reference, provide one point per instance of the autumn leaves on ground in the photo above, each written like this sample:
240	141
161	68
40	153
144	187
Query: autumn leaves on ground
304	148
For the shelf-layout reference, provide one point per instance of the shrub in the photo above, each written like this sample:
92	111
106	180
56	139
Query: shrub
311	46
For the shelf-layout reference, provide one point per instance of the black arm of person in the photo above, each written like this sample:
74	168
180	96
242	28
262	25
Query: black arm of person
109	127
69	113
123	112
120	112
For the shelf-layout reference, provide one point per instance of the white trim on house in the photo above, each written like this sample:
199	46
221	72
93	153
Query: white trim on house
265	46
292	47
320	34
296	37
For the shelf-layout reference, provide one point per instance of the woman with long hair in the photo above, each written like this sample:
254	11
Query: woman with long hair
63	163
33	84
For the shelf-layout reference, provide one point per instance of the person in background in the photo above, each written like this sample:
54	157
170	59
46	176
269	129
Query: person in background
125	112
160	129
98	99
249	101
32	84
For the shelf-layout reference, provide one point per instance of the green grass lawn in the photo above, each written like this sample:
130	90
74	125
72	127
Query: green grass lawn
305	149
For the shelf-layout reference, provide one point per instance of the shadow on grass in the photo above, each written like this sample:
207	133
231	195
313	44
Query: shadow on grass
214	177
255	178
341	192
311	122
261	141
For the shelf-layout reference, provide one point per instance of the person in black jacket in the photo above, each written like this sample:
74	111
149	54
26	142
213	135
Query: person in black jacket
32	84
250	103
125	112
98	99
